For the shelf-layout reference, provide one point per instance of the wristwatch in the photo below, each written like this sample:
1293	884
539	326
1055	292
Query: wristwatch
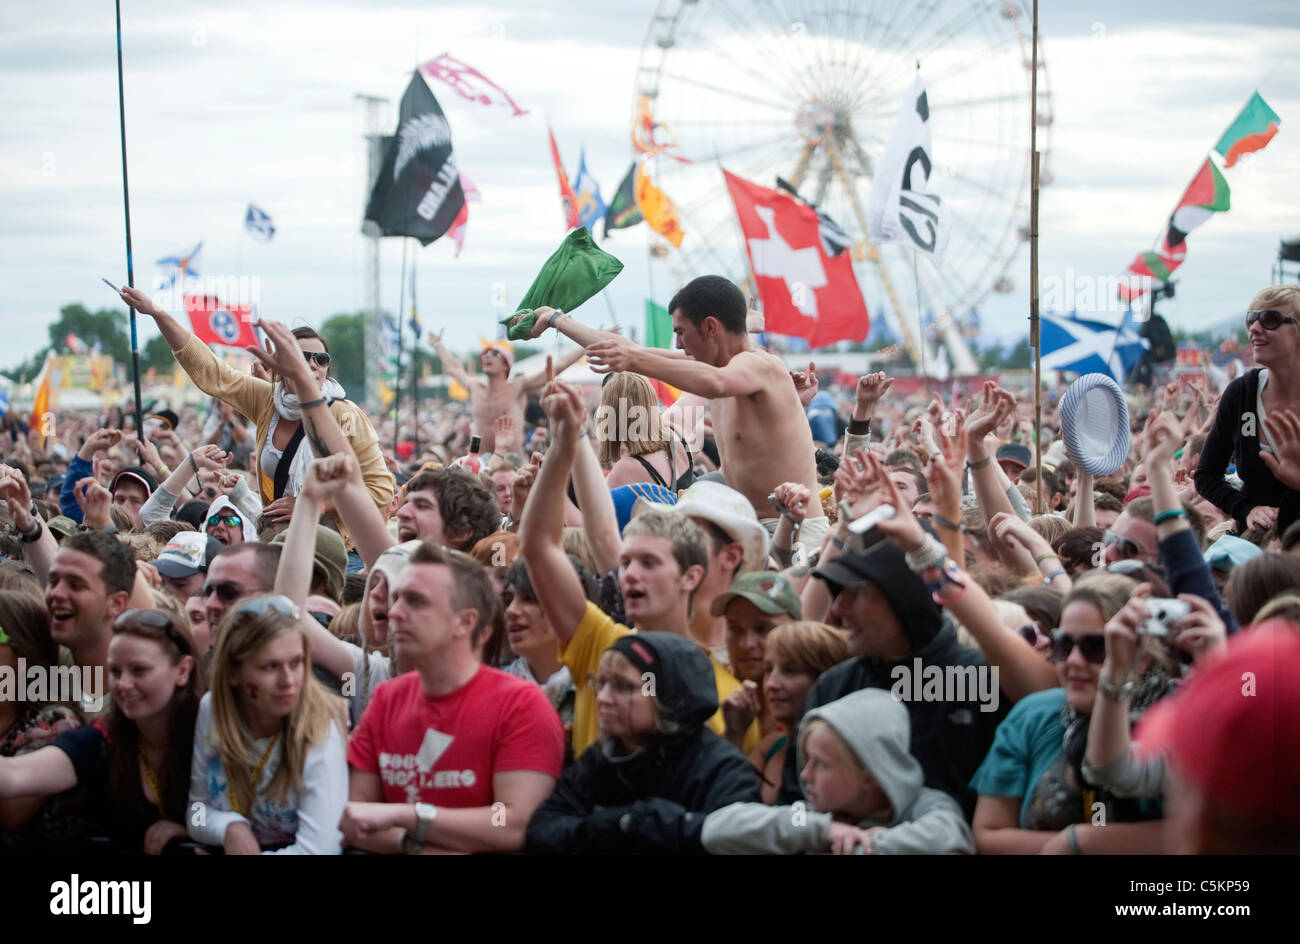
425	814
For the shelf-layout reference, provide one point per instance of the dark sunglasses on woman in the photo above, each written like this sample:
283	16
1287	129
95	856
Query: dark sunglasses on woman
1093	647
1270	318
319	358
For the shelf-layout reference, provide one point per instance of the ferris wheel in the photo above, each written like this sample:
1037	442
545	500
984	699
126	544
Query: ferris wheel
809	91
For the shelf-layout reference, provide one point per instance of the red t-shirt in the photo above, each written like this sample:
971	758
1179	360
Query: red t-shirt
444	749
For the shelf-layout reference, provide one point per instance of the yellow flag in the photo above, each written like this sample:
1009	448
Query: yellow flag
457	392
659	211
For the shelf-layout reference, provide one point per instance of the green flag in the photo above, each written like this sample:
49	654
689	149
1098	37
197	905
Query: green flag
658	326
623	211
575	272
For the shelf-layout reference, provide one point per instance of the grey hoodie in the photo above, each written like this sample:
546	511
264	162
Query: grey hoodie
878	730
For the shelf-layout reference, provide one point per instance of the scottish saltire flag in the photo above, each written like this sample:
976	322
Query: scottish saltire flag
586	195
1091	347
180	265
258	222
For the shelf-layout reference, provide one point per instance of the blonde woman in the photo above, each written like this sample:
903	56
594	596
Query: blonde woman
635	444
269	771
796	654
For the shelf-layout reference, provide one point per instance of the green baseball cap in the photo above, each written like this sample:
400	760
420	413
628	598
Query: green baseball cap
768	590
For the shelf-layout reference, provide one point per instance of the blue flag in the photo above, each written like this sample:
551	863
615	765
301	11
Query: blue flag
1091	347
586	193
4	403
258	222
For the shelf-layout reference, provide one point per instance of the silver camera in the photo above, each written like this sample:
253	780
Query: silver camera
1164	614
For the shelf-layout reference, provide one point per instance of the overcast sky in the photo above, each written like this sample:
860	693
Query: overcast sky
231	103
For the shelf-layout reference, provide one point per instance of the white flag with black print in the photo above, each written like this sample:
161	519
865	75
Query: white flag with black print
900	207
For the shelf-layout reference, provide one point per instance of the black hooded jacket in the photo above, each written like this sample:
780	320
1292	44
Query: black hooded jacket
655	799
949	739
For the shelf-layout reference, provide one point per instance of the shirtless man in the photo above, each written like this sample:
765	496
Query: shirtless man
496	395
760	426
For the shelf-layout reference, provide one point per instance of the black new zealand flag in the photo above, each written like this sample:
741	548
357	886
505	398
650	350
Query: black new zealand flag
417	192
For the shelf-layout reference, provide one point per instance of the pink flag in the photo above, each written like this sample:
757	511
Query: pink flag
468	82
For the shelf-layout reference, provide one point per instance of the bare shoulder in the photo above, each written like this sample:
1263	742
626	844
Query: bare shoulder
756	359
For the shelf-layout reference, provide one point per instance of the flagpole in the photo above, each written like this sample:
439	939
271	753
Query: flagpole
415	369
1035	334
397	366
126	212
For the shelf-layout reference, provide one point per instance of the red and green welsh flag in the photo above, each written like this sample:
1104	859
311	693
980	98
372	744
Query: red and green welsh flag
1250	131
1207	195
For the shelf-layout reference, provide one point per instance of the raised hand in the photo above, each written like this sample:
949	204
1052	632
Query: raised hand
563	405
871	488
99	441
283	356
1202	629
141	302
1016	542
871	387
523	485
211	458
509	438
806	383
943	474
16	494
327	477
1262	517
94	501
435	337
991	412
612	354
1122	636
1162	437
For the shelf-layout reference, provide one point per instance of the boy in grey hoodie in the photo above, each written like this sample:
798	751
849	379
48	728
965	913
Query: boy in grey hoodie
901	815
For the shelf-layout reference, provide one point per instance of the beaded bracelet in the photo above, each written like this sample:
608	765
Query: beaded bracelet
1169	515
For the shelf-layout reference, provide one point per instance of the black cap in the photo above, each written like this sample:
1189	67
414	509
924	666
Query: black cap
885	566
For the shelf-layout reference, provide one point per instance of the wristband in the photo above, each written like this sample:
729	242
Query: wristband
195	466
1074	841
1059	572
929	555
979	464
320	401
1169	515
944	523
837	543
31	537
1048	556
859	427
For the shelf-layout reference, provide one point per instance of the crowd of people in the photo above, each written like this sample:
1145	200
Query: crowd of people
769	618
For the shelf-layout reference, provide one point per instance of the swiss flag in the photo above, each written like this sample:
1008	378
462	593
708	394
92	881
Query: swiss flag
214	322
805	293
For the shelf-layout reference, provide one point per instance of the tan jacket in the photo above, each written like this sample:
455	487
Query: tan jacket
254	398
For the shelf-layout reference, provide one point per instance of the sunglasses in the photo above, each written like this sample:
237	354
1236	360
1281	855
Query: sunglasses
1093	647
319	358
1270	318
227	591
1126	546
233	521
154	619
1030	632
277	602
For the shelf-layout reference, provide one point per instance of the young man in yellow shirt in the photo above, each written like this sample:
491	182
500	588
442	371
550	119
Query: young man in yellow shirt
662	562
